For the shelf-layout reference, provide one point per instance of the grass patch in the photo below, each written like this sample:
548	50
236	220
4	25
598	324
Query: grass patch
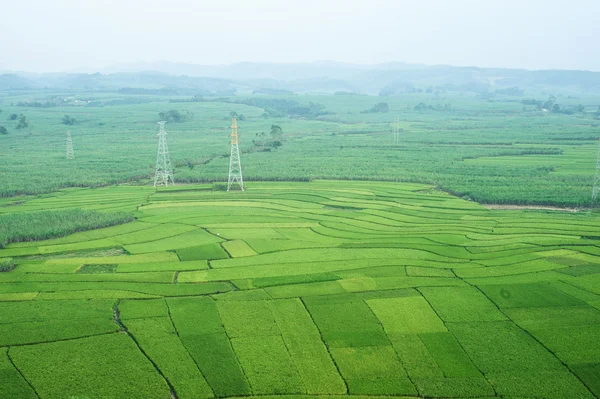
201	330
346	322
90	367
247	318
372	370
528	295
159	340
13	385
268	365
202	252
589	373
97	269
500	347
409	315
461	304
238	248
304	345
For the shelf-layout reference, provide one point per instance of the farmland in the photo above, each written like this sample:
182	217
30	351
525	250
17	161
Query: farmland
497	151
320	288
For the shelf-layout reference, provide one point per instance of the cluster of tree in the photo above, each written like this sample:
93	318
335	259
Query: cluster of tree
379	107
38	104
23	122
421	107
196	98
275	107
511	91
269	143
157	92
270	91
174	116
473	87
239	117
346	93
120	101
68	120
403	87
399	88
550	105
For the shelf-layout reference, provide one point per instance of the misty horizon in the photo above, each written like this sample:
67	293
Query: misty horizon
154	66
69	36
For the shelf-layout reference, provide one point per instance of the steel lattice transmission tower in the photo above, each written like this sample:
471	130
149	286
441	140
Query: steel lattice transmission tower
396	132
235	166
596	189
70	152
164	170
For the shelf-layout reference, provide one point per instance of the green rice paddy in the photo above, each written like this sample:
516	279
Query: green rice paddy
320	289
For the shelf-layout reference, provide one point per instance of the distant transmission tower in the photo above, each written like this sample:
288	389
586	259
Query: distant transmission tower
396	131
235	166
596	190
70	152
164	171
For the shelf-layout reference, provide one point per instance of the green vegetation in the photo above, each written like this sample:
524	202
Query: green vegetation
68	120
90	367
174	116
41	225
13	384
23	122
319	288
150	325
6	264
491	150
207	251
379	107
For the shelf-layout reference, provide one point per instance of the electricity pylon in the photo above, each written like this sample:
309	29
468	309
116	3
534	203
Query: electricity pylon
235	166
396	132
164	171
596	189
70	152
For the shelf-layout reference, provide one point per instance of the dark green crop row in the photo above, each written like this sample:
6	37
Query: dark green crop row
43	225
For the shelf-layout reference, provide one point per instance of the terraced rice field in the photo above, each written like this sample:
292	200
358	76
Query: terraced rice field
323	288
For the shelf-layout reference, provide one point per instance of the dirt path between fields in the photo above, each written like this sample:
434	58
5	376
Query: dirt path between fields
531	207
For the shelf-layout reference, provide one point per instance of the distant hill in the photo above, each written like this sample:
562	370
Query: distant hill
326	77
15	82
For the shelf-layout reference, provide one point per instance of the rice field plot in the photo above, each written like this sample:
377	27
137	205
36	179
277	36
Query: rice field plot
305	290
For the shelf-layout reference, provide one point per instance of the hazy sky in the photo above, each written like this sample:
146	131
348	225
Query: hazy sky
61	35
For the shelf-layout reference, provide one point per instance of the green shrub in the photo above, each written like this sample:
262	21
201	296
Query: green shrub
6	264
